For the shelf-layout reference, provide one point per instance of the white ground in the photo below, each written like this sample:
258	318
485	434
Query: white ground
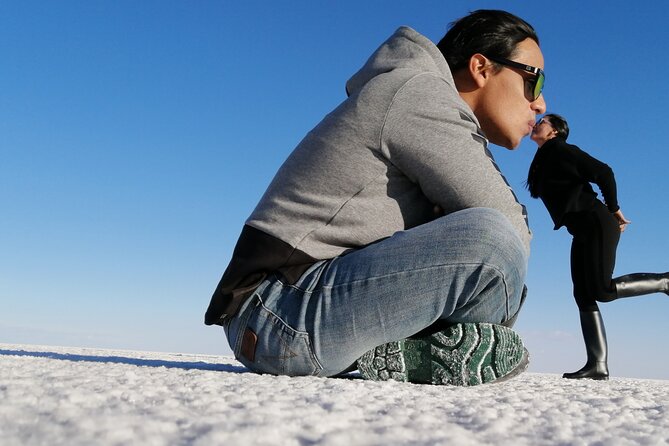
75	396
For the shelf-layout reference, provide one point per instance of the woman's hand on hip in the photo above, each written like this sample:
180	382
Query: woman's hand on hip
622	221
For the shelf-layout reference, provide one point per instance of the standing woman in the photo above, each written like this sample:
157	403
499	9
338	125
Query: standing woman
560	175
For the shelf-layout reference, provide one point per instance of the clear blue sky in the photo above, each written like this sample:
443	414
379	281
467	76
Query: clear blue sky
136	137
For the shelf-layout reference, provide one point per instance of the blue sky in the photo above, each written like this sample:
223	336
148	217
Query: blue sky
136	137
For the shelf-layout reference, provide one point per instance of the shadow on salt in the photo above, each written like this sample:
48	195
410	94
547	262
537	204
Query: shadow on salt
199	365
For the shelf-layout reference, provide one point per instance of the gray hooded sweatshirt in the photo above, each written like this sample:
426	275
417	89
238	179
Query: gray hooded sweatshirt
400	151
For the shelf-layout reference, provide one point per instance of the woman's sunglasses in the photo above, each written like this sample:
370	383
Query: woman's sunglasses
536	85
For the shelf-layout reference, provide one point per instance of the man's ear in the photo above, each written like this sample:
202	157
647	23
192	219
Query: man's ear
480	69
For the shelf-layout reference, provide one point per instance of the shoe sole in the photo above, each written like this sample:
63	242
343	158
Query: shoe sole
465	354
595	378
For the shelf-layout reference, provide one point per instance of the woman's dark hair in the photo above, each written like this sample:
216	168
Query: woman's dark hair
489	32
559	124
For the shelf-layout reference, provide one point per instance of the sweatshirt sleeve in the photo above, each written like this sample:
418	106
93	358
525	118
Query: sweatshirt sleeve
430	135
594	171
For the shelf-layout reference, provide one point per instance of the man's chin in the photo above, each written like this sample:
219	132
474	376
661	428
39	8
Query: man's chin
508	144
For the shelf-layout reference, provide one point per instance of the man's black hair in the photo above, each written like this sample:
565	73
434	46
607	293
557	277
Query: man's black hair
489	32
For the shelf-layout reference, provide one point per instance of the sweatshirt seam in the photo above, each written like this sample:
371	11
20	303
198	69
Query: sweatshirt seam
392	103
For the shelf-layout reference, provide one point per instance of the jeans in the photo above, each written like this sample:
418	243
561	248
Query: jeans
468	266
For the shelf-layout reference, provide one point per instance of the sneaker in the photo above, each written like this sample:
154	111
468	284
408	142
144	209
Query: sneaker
465	354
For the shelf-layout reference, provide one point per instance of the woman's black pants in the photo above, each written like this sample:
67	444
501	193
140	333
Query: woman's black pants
593	255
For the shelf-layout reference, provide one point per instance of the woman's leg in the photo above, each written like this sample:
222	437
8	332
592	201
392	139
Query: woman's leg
640	284
593	255
629	285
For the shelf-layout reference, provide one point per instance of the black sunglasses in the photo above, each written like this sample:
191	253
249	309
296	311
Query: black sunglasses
537	84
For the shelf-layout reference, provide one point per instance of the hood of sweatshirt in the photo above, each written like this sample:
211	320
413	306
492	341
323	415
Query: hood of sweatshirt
406	48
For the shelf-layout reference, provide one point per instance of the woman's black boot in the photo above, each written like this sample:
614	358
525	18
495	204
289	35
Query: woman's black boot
638	284
596	347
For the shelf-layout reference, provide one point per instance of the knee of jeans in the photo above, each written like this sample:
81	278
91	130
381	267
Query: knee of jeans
499	238
504	250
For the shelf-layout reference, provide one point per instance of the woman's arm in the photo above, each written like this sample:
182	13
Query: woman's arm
595	171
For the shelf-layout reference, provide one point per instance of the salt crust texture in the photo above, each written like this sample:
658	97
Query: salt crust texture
77	396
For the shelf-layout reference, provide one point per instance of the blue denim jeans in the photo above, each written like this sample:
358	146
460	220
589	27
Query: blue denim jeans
468	266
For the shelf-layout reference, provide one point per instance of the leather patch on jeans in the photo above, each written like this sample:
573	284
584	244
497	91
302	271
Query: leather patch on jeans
249	344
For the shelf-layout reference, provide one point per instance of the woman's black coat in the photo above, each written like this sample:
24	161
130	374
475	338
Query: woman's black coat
560	175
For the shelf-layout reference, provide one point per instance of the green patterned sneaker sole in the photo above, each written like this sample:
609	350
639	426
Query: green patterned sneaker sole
465	354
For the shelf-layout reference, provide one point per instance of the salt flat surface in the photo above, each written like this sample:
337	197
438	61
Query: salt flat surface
77	396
